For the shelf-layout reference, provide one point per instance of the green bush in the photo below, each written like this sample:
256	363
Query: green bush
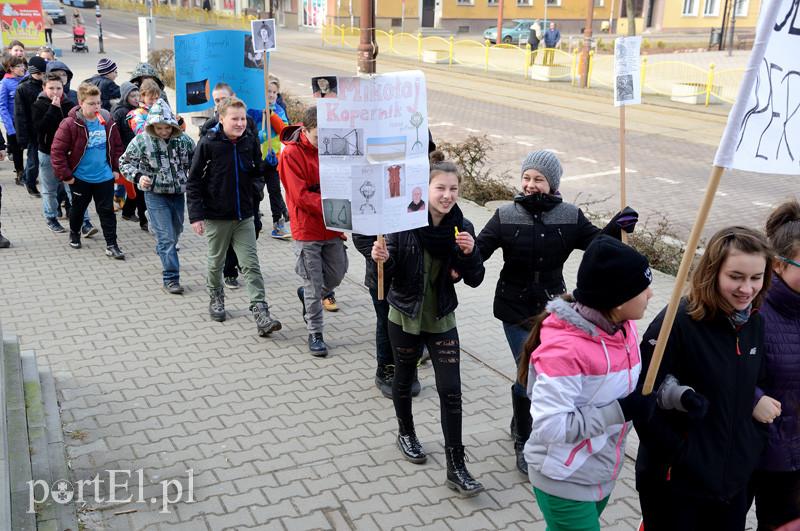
164	63
477	183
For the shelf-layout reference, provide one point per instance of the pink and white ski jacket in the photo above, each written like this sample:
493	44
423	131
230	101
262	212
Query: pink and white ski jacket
576	375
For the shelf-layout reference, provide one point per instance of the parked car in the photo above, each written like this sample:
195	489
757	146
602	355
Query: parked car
512	31
54	10
80	3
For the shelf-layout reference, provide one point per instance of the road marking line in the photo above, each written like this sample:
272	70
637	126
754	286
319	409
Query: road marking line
557	152
440	124
496	136
587	159
581	177
527	144
668	181
762	204
472	130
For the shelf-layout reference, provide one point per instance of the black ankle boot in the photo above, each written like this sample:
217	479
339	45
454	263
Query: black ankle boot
408	443
522	423
458	477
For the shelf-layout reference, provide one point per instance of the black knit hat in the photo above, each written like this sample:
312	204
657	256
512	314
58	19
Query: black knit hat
610	274
36	65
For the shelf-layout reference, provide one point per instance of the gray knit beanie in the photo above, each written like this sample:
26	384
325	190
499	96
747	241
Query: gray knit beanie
546	163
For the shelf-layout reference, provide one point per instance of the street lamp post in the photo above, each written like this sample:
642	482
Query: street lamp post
367	48
587	44
732	28
499	37
98	16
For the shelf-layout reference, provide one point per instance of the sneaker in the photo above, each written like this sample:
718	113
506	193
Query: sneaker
383	380
301	294
264	321
329	303
88	230
145	226
216	305
33	191
74	240
279	231
232	282
113	251
55	226
132	217
317	345
4	242
173	288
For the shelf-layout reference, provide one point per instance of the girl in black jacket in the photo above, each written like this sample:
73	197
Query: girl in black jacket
698	451
423	265
537	233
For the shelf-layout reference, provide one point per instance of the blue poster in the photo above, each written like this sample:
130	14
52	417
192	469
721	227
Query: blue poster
204	59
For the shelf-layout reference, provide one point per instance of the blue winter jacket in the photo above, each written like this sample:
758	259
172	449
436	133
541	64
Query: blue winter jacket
8	87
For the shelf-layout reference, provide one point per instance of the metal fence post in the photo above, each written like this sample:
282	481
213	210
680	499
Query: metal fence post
527	60
709	83
450	52
419	46
590	67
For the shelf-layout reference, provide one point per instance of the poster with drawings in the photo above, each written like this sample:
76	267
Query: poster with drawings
373	153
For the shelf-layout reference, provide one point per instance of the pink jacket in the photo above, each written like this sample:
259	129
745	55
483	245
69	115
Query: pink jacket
576	375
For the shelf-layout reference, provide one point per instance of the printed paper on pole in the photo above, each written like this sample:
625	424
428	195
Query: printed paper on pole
263	34
204	59
627	71
763	131
373	152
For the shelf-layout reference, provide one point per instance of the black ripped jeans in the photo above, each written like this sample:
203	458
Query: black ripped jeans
445	354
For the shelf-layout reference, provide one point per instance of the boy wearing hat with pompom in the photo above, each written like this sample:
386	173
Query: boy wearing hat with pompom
104	80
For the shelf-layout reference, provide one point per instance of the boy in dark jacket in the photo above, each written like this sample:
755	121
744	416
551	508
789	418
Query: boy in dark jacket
27	92
104	80
224	184
85	154
49	110
321	255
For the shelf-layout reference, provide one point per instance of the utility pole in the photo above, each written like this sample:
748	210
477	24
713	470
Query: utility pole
367	47
270	9
499	38
630	11
732	28
587	43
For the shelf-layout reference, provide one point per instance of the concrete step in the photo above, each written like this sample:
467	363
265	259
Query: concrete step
5	479
19	456
65	516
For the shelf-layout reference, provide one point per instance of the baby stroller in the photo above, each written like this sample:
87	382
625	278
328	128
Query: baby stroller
79	39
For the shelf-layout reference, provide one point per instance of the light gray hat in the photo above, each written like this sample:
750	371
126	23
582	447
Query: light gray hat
546	163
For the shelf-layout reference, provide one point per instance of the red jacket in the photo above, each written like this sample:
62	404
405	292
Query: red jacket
299	170
71	139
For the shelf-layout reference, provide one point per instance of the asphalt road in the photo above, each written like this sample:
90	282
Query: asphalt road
669	150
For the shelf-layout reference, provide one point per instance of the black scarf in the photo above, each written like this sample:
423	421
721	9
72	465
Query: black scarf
416	207
440	241
538	203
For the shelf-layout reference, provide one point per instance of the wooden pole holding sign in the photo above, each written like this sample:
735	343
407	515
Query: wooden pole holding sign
623	199
381	242
266	101
680	280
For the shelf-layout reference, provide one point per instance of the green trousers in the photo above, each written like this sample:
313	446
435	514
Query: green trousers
561	514
242	235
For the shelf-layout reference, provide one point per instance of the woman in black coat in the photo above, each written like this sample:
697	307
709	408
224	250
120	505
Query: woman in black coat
423	266
537	233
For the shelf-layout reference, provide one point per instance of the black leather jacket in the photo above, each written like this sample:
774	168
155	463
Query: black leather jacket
405	272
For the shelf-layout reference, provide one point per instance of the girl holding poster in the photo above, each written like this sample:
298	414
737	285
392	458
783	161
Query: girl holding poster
699	450
423	266
777	481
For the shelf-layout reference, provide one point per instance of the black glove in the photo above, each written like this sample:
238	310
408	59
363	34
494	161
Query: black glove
638	407
695	404
626	219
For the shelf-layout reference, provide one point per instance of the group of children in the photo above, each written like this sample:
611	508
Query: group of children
721	427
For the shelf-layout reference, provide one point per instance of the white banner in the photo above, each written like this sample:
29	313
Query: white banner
763	131
373	152
627	71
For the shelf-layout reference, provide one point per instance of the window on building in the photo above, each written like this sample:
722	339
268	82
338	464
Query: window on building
465	2
638	8
599	3
554	3
742	7
711	8
690	7
491	2
525	3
